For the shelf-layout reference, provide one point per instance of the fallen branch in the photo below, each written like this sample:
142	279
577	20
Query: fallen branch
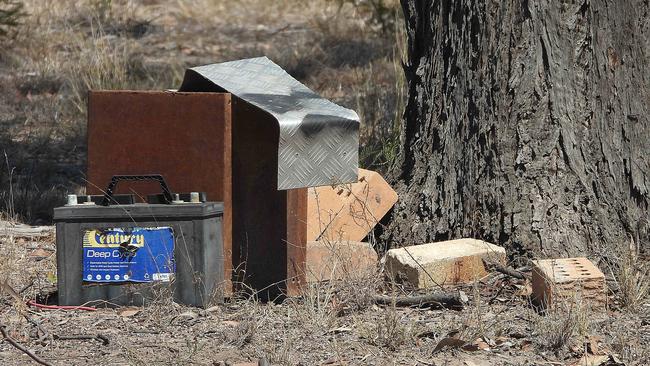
458	299
11	341
100	337
21	230
509	271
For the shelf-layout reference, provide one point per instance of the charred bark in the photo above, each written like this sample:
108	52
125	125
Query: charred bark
526	124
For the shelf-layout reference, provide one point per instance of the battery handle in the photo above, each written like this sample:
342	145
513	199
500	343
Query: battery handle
108	195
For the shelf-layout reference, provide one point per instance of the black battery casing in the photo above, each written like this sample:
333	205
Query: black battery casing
198	252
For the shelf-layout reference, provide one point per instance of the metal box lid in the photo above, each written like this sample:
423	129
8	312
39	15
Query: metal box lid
319	140
138	212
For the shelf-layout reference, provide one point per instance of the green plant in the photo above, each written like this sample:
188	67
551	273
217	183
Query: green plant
10	14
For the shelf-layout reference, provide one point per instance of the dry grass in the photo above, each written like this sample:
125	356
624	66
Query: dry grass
565	323
11	13
392	329
631	274
66	47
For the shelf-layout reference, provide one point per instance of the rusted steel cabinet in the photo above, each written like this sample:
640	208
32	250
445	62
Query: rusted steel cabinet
269	225
208	142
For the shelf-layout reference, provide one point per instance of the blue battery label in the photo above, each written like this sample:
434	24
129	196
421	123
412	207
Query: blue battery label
135	254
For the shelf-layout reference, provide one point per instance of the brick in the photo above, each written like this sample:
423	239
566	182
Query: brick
555	279
349	211
339	260
442	263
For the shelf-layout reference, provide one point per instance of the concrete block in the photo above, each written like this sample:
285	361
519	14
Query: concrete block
555	279
339	260
442	263
348	211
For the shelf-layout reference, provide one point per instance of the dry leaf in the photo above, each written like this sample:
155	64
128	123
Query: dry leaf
590	360
128	312
449	342
524	290
473	347
230	323
478	344
526	345
40	253
593	345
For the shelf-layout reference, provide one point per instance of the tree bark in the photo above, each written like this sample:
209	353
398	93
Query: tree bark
526	124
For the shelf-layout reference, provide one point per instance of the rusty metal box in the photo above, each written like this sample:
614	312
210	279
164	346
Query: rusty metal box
216	143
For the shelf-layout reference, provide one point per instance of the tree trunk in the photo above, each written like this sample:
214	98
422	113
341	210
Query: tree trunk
526	124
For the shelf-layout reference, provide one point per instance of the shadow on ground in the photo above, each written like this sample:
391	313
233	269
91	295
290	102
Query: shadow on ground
37	173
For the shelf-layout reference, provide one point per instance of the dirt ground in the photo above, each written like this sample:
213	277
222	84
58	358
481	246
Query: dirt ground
348	54
332	324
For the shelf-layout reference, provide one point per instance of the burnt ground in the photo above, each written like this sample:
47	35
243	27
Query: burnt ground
332	324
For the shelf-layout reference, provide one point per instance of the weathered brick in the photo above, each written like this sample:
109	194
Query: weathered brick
564	278
442	263
339	260
348	211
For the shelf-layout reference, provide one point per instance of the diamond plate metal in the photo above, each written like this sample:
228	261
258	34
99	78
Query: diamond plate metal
319	140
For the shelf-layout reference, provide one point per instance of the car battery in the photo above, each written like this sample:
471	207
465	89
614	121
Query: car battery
130	254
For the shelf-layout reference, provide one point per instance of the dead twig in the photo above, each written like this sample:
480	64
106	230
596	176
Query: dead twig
11	341
459	299
41	333
100	337
30	284
509	271
494	297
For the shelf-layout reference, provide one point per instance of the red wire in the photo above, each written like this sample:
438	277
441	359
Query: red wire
59	307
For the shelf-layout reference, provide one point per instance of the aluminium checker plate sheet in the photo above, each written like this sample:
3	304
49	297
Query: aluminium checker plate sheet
319	140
